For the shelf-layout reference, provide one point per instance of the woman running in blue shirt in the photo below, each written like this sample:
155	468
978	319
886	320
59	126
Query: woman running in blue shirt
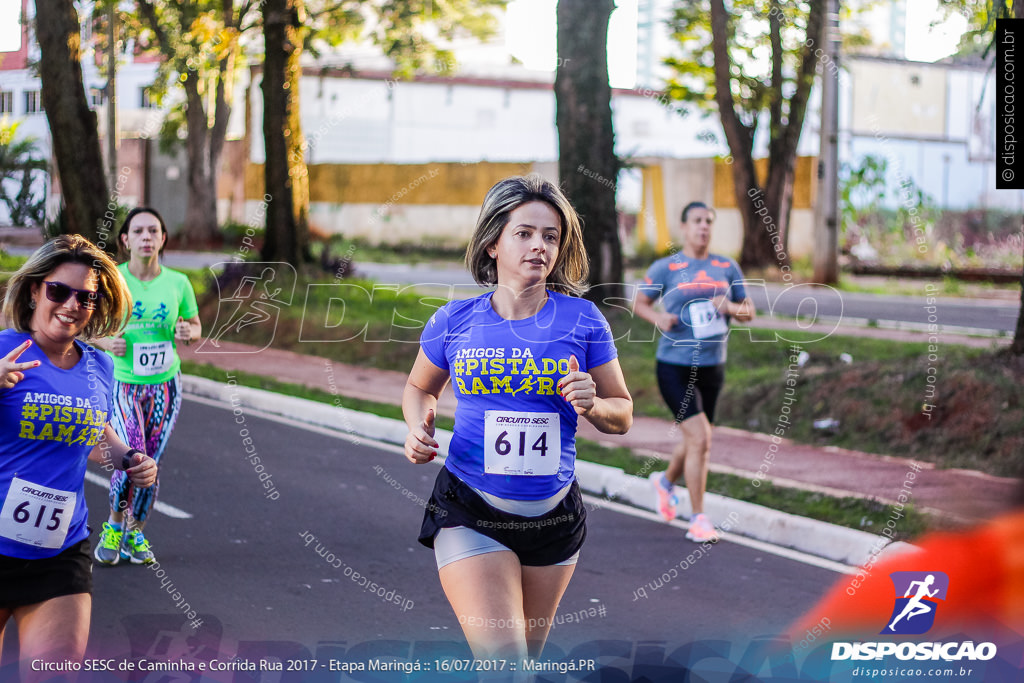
55	402
506	519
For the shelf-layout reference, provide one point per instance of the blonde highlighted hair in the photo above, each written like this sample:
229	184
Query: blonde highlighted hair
114	304
569	275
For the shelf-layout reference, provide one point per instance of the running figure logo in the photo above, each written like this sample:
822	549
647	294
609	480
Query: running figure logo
254	305
917	594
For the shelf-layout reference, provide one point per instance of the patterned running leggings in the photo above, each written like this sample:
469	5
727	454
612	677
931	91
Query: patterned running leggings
143	416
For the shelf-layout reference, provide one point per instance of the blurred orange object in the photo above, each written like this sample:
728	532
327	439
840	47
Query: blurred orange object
985	566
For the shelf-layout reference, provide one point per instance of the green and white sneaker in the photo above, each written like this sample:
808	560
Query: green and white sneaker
136	548
109	549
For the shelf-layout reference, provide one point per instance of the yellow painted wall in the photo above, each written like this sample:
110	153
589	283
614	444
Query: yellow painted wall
419	184
439	202
803	182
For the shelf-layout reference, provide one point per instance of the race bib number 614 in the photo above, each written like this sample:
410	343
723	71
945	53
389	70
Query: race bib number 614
522	443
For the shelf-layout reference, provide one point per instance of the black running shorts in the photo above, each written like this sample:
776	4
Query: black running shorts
539	541
689	390
27	582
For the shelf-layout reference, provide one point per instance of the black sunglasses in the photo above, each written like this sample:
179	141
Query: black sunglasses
58	293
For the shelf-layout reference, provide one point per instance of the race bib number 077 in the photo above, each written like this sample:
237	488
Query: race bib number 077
527	444
152	359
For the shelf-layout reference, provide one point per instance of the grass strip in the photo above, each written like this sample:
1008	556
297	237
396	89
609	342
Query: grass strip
254	381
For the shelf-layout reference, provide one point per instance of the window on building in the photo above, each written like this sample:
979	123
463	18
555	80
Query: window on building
97	96
6	102
144	99
33	102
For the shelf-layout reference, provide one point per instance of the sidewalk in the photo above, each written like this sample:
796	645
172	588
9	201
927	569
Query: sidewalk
961	495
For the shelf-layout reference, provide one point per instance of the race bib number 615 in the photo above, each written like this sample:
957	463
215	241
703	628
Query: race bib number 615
522	443
37	515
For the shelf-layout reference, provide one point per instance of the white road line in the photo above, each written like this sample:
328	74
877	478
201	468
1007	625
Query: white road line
159	506
787	553
326	431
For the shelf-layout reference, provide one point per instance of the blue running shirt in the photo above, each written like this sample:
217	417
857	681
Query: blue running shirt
510	415
686	287
49	422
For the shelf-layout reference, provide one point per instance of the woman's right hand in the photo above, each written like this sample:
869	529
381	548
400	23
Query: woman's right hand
420	446
11	371
116	345
142	471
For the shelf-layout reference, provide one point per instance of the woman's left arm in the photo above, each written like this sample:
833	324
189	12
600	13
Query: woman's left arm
600	396
188	330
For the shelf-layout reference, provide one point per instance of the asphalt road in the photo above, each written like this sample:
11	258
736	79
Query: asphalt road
271	573
804	301
241	562
810	301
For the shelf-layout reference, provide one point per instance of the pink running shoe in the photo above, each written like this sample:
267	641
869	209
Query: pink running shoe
667	499
702	530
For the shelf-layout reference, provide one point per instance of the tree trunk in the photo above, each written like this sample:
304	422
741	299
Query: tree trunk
285	173
1017	347
778	192
201	215
782	151
76	145
587	166
203	143
765	210
756	249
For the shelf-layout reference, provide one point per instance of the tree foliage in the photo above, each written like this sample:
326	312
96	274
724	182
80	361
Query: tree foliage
754	63
415	34
20	166
73	131
981	18
200	44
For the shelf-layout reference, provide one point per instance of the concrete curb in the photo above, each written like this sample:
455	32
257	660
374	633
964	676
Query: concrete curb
829	541
342	420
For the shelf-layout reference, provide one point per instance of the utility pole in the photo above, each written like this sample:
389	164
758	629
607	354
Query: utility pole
113	134
826	210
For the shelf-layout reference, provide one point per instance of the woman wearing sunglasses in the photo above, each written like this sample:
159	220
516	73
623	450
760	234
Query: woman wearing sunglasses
147	374
54	404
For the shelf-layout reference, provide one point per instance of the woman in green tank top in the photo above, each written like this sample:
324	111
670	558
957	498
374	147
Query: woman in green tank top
147	374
